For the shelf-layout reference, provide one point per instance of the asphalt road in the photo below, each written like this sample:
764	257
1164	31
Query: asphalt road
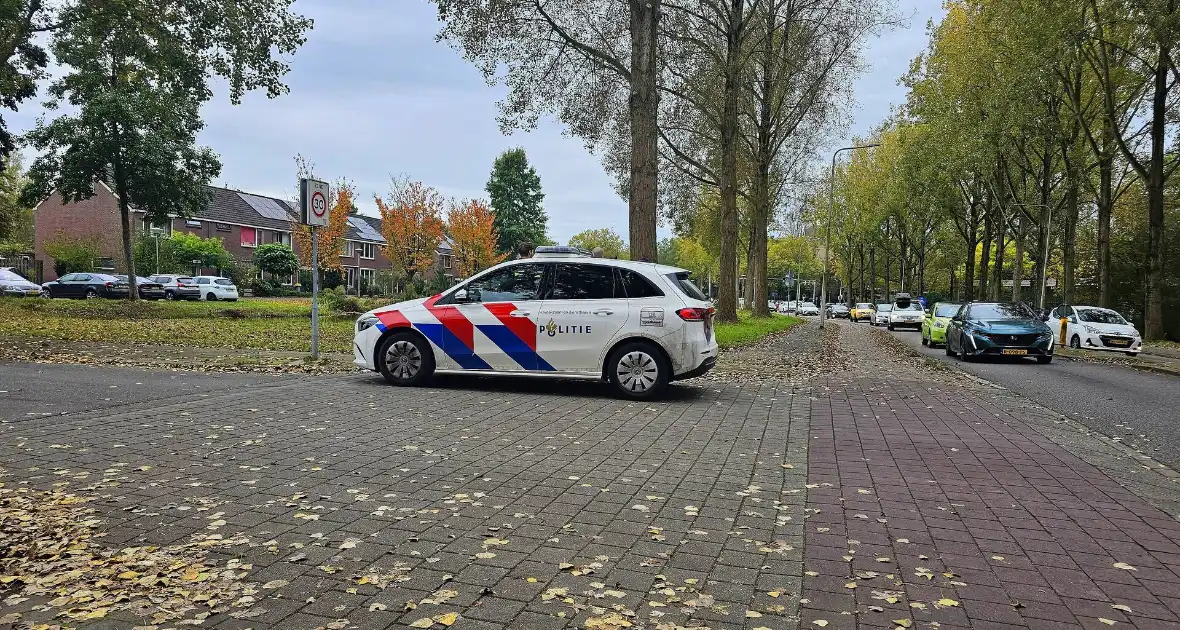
1142	408
29	390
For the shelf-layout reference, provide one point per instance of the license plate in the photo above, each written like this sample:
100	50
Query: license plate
1120	342
1016	351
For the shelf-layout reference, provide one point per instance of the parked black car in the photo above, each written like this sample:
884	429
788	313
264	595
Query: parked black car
85	285
148	289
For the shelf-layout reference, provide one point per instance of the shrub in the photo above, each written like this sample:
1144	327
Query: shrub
276	259
71	254
338	301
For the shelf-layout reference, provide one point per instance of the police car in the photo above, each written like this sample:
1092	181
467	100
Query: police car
637	325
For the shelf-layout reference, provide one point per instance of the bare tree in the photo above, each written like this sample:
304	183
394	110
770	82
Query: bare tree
592	63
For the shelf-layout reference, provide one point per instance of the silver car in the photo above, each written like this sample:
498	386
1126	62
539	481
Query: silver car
14	284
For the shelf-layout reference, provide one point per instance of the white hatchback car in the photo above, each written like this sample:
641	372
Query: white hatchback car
637	325
214	288
1095	328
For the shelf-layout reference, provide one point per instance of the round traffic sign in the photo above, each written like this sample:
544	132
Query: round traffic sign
319	205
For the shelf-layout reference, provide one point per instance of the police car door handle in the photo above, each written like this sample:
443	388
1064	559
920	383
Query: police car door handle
604	311
519	313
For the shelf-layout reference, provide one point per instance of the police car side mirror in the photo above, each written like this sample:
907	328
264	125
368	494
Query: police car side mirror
461	296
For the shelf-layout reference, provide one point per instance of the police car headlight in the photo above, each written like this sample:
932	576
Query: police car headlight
366	322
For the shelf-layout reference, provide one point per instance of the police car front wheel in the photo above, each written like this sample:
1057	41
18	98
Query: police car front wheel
406	359
638	370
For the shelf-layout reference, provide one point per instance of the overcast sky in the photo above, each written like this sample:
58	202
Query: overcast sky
373	94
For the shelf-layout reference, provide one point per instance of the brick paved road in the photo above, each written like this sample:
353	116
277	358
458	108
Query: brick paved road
516	506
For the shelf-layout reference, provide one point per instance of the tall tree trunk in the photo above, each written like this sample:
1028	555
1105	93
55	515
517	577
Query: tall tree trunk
860	252
1018	263
726	306
748	285
644	106
968	286
873	273
1105	203
1153	325
125	222
1069	254
985	251
1001	253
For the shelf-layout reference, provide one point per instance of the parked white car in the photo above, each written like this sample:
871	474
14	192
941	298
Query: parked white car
807	309
1095	328
637	325
906	314
215	288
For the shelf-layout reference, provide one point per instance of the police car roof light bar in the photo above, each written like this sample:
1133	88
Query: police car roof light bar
560	251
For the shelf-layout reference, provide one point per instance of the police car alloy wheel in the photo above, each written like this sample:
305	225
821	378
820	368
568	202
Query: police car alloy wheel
638	370
405	360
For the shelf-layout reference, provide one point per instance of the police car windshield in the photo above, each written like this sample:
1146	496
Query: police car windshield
686	285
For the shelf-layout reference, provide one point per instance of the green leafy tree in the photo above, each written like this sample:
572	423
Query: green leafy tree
16	218
72	253
611	243
134	78
22	58
207	252
516	196
276	259
154	255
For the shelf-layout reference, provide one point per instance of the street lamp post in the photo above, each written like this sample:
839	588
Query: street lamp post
823	301
156	232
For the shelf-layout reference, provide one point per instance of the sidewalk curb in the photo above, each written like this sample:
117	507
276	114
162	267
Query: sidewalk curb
1142	367
1146	460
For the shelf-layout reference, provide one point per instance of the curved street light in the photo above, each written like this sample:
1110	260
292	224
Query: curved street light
823	300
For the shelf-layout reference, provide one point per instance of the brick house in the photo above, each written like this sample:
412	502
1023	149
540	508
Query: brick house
242	221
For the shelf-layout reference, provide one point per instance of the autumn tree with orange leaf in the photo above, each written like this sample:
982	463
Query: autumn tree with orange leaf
412	225
331	236
473	237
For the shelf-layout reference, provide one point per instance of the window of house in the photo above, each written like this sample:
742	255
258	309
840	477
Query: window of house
249	237
283	238
367	250
350	276
193	223
222	227
367	277
446	261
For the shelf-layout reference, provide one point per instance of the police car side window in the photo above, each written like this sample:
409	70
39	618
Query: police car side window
510	284
583	282
636	286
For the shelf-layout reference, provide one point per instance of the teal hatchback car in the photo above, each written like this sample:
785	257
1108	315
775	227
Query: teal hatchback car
998	329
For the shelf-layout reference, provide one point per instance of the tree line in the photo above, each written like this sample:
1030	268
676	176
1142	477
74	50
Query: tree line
708	112
1038	143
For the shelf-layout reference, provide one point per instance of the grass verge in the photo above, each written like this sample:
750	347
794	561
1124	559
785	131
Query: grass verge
749	329
247	324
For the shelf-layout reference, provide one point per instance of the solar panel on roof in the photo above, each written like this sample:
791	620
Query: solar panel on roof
266	207
365	230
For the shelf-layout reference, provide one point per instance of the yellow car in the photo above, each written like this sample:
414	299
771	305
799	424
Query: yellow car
862	311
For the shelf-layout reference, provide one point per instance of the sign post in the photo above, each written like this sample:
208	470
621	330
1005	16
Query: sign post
313	212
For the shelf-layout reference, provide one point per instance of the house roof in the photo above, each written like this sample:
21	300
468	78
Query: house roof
232	206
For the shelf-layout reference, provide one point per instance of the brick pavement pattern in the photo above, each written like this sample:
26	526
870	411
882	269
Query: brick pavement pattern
934	505
908	498
606	506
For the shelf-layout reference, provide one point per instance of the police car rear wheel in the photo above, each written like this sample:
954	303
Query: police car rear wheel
404	360
638	370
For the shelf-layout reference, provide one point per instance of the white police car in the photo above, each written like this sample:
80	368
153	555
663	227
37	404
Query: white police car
637	325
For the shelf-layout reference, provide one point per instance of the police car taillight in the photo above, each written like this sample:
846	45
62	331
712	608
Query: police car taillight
695	314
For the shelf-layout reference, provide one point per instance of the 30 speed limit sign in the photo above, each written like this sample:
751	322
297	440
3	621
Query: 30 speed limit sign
313	202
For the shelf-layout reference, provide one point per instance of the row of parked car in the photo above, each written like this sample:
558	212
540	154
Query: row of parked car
100	285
